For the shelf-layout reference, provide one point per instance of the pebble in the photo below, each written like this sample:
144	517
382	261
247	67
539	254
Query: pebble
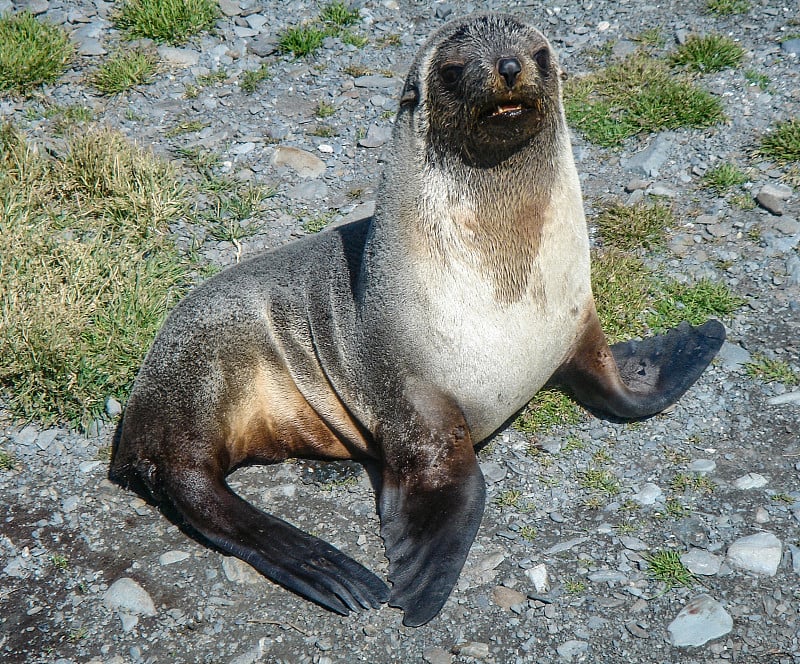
171	557
180	57
700	561
377	135
304	163
750	481
633	543
795	551
732	356
565	546
126	595
702	466
760	553
374	81
437	655
505	598
607	576
255	654
648	161
113	407
572	649
476	649
238	571
700	621
70	504
771	203
539	577
791	46
493	472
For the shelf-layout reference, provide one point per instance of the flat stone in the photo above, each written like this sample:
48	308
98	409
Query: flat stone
89	466
302	162
436	655
36	7
787	225
505	598
565	546
771	203
230	7
361	211
70	503
648	494
782	191
171	557
374	81
702	466
633	543
539	577
733	356
786	397
700	561
607	576
791	46
308	191
113	407
572	649
180	57
759	553
493	472
750	481
46	438
795	551
700	621
647	162
661	189
238	571
476	649
128	596
376	137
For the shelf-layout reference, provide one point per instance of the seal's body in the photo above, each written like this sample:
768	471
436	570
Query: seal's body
407	337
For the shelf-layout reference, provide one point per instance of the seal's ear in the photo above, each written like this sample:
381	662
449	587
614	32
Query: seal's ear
410	96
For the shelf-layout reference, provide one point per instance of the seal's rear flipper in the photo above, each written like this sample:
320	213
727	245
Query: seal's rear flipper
296	560
431	505
636	379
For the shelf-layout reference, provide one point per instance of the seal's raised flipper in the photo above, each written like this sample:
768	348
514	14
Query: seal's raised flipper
431	505
636	379
294	559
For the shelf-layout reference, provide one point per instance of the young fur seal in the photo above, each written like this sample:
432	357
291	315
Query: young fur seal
407	338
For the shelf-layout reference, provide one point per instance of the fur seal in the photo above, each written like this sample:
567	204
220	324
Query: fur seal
406	338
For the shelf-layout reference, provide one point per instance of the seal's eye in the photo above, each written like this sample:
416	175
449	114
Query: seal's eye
451	74
542	58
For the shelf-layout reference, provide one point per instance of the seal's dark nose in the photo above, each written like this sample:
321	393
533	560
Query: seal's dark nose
508	68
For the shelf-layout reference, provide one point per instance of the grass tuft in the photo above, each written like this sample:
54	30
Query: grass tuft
86	271
771	371
637	94
708	54
666	566
694	303
124	70
724	177
170	21
599	480
6	461
301	40
32	53
638	226
728	7
509	498
251	79
339	14
623	288
782	144
548	409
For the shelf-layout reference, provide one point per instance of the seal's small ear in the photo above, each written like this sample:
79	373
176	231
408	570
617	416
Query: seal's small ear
410	96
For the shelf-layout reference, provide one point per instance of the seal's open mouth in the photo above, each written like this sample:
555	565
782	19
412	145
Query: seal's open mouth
507	110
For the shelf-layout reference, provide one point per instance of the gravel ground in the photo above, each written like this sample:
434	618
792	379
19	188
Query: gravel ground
91	573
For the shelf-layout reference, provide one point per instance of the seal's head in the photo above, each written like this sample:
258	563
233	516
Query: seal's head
482	89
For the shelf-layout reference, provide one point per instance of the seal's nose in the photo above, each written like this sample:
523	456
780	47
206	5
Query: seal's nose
509	68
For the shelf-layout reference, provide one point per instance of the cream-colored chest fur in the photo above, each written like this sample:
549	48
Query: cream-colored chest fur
492	355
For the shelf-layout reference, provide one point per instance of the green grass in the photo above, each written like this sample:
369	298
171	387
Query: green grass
683	482
528	533
637	94
251	79
87	271
508	498
623	289
32	53
6	461
723	177
123	70
324	110
782	144
301	40
754	77
574	586
599	480
548	409
187	127
334	17
782	498
652	37
771	371
353	39
728	7
695	303
639	226
317	223
708	54
339	14
666	566
170	21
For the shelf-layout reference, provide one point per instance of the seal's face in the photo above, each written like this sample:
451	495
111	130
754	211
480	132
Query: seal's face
486	90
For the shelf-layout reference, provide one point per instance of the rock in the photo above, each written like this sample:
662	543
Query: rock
308	191
255	654
113	407
786	397
648	494
180	57
377	136
702	466
732	356
795	551
305	164
70	504
572	649
238	571
36	7
761	515
437	655
373	81
127	596
759	553
637	630
787	225
770	203
565	546
263	46
781	191
700	621
171	557
539	577
793	270
661	189
45	438
607	576
476	649
699	561
633	543
647	162
791	46
493	472
230	7
505	598
750	481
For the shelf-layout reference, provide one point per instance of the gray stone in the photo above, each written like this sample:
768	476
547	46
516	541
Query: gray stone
661	189
36	7
539	577
702	466
700	621
180	57
633	543
771	203
45	438
27	436
787	397
308	191
255	654
759	553
230	7
505	598
171	557
70	503
572	649
374	81
699	561
648	161
476	649
436	655
263	46
607	576
113	407
127	596
302	162
648	494
238	571
377	136
795	551
793	270
750	481
791	46
781	191
493	472
733	356
361	211
787	225
565	546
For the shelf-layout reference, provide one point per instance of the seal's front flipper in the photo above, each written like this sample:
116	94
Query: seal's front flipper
431	505
636	379
296	560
